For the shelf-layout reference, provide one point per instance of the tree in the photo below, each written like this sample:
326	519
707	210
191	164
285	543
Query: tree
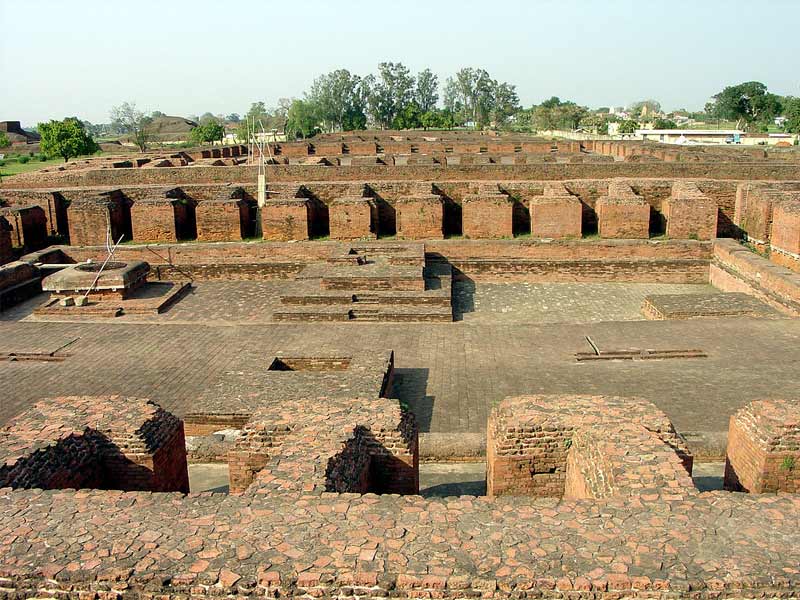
557	114
426	94
233	118
791	110
209	131
341	99
206	117
302	119
628	126
157	113
410	117
748	104
392	91
4	141
652	106
66	139
664	124
127	119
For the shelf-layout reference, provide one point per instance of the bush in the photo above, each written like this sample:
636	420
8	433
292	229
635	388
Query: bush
24	159
42	157
2	163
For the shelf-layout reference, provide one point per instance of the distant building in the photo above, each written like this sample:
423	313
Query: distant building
714	136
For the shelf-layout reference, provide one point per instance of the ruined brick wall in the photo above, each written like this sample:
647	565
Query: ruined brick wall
285	219
486	216
734	268
763	454
107	443
6	249
154	221
622	213
420	217
353	218
555	214
529	439
220	220
28	227
689	213
785	233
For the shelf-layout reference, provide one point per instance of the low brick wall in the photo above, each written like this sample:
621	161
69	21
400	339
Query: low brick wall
734	268
763	454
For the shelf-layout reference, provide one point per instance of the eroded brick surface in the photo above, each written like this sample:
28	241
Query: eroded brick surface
689	213
622	213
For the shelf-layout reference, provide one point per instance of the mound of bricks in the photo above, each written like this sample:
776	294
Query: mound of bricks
353	218
530	439
328	445
6	249
556	213
220	219
420	215
764	448
689	213
163	219
106	442
285	219
487	214
622	213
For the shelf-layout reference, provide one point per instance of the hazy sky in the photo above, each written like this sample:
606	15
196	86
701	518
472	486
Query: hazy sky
81	57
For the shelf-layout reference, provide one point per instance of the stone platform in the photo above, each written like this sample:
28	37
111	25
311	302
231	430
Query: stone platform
697	306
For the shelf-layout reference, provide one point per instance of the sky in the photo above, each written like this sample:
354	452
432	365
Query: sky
82	57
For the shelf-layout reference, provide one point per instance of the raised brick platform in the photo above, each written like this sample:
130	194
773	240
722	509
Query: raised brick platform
530	438
420	217
285	219
764	448
622	213
353	218
689	213
116	279
555	214
225	218
107	443
693	306
168	218
487	214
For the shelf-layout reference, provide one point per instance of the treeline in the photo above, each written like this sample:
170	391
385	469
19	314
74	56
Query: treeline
394	98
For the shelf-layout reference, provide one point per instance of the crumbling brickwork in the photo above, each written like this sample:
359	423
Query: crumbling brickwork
154	220
529	439
108	443
785	233
285	219
622	213
689	213
487	214
28	227
420	217
6	249
90	217
353	218
555	214
222	219
763	452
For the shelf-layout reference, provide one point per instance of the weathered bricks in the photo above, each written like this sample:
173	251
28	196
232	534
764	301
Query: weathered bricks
6	249
353	218
529	439
223	219
285	219
555	214
28	229
420	217
102	442
622	213
689	213
487	214
162	219
91	217
763	452
785	232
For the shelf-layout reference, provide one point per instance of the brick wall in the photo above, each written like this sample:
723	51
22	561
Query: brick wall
420	217
221	220
622	213
555	214
785	231
689	213
28	227
6	249
487	215
353	218
763	454
285	219
154	221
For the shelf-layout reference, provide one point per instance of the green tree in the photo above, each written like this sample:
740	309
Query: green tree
340	98
126	118
628	126
410	117
4	141
749	104
652	106
391	92
233	118
209	131
303	119
66	139
664	124
791	110
426	94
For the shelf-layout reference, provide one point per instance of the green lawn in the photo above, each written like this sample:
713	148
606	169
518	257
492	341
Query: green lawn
12	165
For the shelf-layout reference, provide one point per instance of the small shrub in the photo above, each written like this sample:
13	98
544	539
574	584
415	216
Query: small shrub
42	157
24	159
788	463
2	163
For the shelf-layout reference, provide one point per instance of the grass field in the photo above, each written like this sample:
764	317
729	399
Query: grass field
12	165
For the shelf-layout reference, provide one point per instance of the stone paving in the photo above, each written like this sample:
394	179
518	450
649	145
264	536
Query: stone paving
450	374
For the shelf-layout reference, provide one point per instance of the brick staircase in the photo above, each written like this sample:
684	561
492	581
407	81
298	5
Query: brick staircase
371	282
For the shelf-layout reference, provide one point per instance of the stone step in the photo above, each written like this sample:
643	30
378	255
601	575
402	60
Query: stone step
369	313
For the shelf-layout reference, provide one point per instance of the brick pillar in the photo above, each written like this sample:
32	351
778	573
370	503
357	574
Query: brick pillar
555	214
487	215
420	217
285	219
353	218
689	213
622	213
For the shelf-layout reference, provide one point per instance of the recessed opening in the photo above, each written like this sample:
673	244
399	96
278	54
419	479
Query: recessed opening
286	363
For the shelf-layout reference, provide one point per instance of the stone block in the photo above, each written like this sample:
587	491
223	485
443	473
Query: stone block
689	213
285	219
107	442
353	218
420	217
622	213
487	215
555	214
763	454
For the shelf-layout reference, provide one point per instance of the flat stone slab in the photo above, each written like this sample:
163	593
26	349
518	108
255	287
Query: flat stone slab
116	275
697	306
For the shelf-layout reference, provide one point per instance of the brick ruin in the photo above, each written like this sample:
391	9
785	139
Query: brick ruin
588	496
